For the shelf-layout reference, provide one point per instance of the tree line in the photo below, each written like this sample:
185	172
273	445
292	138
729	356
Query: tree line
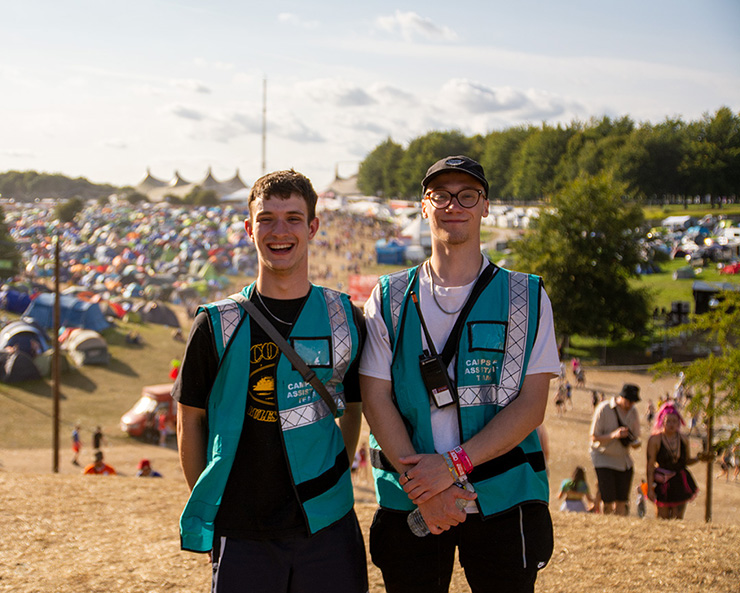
669	162
30	185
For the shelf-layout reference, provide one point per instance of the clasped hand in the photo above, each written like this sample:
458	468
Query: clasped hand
429	485
429	476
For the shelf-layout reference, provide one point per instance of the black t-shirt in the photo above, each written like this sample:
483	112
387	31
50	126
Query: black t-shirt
259	501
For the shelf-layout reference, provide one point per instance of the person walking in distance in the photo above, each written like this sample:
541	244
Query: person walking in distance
455	377
76	445
268	467
615	431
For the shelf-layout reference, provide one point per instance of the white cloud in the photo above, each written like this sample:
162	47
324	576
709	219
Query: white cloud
213	65
189	84
18	153
335	92
296	130
476	97
411	25
224	128
187	112
116	143
294	20
386	93
147	90
218	127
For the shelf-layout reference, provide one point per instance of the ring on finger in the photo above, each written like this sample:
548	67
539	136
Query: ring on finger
406	475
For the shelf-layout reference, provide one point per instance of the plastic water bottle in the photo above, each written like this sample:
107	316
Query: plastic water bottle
416	522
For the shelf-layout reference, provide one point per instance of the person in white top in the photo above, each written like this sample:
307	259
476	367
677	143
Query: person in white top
515	540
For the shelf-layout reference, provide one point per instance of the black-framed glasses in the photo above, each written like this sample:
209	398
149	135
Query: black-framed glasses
467	198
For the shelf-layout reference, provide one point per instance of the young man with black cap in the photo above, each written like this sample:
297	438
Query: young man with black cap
268	467
615	429
454	376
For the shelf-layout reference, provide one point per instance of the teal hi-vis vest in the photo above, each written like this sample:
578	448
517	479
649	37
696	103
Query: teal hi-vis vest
326	337
491	361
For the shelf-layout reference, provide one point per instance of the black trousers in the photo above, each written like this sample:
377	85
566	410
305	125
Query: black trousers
332	560
501	554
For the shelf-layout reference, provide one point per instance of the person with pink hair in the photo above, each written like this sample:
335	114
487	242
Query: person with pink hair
670	484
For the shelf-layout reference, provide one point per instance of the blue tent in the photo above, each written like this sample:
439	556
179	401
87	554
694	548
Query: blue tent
73	312
14	301
22	335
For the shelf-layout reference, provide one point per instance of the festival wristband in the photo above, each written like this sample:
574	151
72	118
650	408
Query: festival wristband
457	463
464	459
451	467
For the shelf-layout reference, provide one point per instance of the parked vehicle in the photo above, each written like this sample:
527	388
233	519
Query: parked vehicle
142	420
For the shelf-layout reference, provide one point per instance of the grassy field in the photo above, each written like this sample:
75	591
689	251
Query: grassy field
656	213
664	289
92	395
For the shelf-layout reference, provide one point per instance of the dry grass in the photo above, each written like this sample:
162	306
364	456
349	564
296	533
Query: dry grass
67	533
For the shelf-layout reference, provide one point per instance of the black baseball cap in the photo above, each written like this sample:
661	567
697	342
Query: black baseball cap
456	163
630	392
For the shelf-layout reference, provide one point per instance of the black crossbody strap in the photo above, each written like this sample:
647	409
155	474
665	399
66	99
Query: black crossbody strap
454	338
288	350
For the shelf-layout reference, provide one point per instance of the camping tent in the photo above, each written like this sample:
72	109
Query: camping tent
27	337
73	312
44	363
14	300
17	366
87	347
156	312
418	232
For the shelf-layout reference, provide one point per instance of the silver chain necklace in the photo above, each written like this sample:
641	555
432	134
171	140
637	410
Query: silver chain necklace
434	294
275	317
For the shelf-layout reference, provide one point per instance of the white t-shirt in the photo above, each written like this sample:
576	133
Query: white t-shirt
376	355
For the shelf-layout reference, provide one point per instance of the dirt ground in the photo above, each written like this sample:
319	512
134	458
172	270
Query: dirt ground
67	534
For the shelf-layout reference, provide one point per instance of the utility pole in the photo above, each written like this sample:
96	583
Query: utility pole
55	360
710	452
264	125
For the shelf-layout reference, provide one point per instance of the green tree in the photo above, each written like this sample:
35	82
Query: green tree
585	248
379	170
423	152
712	162
650	160
534	167
66	210
713	381
592	147
499	151
28	185
10	258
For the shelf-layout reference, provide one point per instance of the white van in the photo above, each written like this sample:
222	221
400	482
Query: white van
729	235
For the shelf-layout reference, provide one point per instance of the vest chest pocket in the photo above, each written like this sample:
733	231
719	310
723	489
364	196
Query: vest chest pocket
489	336
315	352
486	341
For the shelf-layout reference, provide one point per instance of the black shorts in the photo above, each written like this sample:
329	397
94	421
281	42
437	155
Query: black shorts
506	550
331	560
614	485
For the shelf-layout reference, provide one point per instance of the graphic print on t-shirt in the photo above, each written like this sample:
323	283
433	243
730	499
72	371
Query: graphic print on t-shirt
262	405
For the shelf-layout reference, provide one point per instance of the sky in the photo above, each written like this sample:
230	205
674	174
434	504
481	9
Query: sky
108	90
